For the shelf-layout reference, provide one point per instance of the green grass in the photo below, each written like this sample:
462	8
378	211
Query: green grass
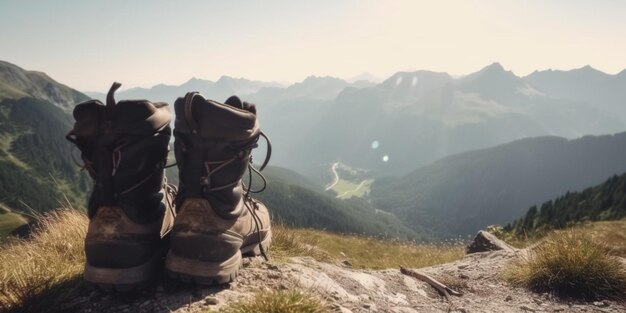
362	252
9	221
278	302
571	264
346	189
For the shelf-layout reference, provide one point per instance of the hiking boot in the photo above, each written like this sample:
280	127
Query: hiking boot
217	221
124	147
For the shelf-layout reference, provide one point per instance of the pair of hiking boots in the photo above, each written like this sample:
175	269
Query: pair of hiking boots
136	218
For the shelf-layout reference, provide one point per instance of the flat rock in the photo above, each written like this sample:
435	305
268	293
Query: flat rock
485	241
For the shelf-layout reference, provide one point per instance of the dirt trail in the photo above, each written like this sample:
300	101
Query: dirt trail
352	290
336	176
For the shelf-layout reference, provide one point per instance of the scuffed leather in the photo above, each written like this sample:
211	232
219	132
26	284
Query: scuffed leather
115	241
200	233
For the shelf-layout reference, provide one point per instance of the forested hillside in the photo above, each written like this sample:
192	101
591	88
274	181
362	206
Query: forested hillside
36	167
469	191
603	202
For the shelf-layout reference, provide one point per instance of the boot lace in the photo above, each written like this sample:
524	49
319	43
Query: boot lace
250	203
249	199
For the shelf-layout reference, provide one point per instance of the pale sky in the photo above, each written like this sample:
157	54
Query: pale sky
89	44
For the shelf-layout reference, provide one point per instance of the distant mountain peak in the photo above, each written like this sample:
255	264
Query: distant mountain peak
496	66
226	78
491	73
194	79
588	69
495	69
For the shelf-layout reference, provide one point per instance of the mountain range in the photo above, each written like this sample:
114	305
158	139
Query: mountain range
417	117
448	155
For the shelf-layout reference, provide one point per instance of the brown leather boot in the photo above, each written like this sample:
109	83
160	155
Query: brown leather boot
217	220
124	147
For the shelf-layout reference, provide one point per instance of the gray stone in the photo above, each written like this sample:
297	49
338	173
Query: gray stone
601	303
484	241
211	301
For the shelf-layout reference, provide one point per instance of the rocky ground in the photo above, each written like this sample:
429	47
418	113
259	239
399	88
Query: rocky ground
350	290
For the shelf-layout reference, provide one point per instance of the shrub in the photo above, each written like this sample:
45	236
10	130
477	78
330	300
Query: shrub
570	264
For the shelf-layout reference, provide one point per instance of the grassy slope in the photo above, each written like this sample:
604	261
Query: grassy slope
42	274
8	222
364	252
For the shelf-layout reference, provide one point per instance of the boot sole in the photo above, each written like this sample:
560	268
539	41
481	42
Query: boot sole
212	273
124	279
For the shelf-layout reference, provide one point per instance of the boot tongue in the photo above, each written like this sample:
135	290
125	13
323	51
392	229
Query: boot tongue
235	102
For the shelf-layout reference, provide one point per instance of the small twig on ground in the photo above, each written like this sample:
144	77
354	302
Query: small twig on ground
441	288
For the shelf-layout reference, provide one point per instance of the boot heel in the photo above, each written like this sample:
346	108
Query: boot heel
123	279
201	272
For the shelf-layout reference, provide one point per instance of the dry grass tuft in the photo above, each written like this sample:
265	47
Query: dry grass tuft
571	264
278	302
41	274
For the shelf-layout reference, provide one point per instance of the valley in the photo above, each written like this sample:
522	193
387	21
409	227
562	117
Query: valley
349	184
459	166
